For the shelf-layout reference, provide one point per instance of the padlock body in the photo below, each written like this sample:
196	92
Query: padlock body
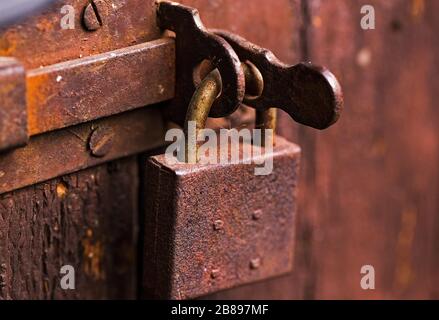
215	226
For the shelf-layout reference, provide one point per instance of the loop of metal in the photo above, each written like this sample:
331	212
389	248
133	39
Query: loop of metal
198	111
206	94
254	87
310	94
194	43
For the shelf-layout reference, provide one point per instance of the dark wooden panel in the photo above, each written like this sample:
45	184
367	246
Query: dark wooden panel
373	198
86	219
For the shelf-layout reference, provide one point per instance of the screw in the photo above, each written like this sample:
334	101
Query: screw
255	263
92	16
101	141
215	273
257	214
218	225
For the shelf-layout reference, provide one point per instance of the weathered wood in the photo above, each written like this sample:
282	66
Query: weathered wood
87	220
92	226
373	195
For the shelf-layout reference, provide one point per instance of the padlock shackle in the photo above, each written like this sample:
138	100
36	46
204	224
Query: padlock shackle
254	87
204	97
199	107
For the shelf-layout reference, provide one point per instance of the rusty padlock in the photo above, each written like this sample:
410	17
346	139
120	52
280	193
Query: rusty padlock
209	226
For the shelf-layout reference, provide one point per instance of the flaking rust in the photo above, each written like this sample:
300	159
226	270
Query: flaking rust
13	119
212	227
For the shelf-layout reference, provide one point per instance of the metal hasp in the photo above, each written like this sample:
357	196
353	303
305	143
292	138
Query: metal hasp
310	94
193	44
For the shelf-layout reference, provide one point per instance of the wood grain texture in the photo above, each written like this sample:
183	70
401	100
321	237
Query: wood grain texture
373	198
86	220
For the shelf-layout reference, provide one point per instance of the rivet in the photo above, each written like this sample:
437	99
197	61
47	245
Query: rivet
255	263
257	214
215	273
218	225
101	141
93	15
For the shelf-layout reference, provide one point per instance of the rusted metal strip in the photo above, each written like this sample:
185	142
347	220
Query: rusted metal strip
85	89
13	128
69	150
82	90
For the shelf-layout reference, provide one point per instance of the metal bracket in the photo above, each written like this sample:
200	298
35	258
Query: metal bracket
310	94
194	43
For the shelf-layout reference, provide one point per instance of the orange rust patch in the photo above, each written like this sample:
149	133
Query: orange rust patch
403	273
61	190
35	98
45	25
93	255
418	8
8	45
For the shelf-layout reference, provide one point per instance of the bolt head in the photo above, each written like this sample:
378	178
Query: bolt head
218	225
257	214
101	141
90	18
255	263
215	273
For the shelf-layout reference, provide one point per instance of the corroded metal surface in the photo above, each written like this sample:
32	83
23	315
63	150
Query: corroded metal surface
85	89
193	45
54	154
211	227
40	40
311	95
13	121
